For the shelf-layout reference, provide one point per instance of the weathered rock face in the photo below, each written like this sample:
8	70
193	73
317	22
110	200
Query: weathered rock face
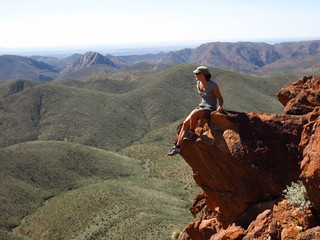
310	165
281	221
302	96
244	161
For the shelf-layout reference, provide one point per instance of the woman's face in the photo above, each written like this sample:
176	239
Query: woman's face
200	77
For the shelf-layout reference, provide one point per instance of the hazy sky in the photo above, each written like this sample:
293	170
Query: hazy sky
40	23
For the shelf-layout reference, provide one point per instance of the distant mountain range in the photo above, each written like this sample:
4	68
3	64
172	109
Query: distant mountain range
14	67
299	58
251	57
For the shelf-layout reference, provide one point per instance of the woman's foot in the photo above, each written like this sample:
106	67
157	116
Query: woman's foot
189	136
175	150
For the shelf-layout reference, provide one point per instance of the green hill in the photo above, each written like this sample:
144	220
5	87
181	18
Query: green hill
169	95
35	171
126	208
152	149
55	112
112	114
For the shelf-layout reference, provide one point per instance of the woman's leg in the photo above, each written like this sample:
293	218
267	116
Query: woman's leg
184	129
194	118
190	124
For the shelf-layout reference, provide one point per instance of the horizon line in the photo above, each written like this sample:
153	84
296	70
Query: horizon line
122	47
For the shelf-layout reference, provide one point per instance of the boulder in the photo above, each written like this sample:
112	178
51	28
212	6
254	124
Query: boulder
310	234
302	96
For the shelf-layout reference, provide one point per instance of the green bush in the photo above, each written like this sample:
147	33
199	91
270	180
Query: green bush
297	195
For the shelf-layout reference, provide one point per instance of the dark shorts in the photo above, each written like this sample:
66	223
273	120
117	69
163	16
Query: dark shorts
207	111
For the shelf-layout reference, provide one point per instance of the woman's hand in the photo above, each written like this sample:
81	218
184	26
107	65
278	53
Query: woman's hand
220	109
217	93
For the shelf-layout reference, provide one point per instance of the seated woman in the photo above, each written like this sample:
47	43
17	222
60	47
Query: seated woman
209	96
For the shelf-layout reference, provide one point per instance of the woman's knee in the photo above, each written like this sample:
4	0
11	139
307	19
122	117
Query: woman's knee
197	114
186	123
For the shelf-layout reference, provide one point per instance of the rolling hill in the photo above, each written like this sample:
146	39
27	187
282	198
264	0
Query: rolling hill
112	114
111	210
14	67
33	172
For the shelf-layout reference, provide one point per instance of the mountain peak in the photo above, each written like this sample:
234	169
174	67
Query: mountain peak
92	58
87	60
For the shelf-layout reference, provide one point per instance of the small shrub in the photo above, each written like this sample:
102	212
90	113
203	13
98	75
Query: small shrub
297	195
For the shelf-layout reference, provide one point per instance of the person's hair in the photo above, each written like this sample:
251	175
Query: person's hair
208	76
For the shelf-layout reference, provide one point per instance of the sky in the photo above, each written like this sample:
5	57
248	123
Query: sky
49	23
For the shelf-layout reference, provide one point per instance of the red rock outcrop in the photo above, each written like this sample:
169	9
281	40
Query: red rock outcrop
310	165
244	161
302	96
282	221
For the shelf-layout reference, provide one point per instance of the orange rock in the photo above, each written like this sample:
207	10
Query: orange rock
233	232
290	233
310	166
244	161
282	221
302	96
310	234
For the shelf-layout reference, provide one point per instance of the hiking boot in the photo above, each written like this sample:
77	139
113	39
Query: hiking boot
175	150
189	136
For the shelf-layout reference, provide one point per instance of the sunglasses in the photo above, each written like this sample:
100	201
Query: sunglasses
198	74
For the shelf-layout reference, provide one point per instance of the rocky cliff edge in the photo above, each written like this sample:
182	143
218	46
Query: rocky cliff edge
245	162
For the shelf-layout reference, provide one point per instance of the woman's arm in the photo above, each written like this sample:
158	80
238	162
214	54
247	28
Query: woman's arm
218	95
